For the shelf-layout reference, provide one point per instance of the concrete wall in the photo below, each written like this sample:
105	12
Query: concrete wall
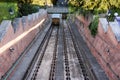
17	35
105	46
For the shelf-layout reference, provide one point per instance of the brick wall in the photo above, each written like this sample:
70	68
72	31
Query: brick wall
18	35
104	47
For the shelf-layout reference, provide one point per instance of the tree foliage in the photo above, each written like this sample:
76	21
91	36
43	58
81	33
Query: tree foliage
85	7
42	2
99	5
19	7
25	1
26	7
54	2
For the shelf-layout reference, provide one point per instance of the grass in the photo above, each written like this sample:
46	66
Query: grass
4	10
5	6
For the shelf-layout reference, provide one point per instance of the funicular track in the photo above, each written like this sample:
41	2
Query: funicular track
58	57
34	66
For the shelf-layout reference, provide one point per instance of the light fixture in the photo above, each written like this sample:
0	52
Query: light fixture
107	16
11	11
11	49
108	51
115	14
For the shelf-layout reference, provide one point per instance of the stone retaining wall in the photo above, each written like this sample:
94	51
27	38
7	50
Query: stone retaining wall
16	35
105	47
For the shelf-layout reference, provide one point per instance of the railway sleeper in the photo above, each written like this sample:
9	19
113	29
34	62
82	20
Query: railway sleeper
68	78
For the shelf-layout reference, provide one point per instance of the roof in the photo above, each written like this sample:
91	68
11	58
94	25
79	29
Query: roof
56	15
58	10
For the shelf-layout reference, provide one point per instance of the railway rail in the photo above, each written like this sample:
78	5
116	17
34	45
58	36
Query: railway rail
58	57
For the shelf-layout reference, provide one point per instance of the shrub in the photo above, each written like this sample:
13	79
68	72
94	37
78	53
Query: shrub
113	10
93	26
26	9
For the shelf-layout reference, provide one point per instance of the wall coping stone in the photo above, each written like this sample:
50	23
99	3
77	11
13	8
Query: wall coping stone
36	15
16	24
24	20
116	29
117	19
104	23
4	28
34	18
30	18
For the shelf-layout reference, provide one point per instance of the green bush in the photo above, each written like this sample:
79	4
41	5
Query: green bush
96	11
72	9
5	8
113	10
93	26
26	9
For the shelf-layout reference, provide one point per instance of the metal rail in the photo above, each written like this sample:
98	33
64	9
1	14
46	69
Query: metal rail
9	72
88	75
43	45
56	56
80	60
53	65
67	69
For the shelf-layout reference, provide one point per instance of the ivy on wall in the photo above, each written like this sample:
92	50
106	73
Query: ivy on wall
94	25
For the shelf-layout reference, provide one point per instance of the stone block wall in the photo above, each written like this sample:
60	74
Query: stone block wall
104	46
16	35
